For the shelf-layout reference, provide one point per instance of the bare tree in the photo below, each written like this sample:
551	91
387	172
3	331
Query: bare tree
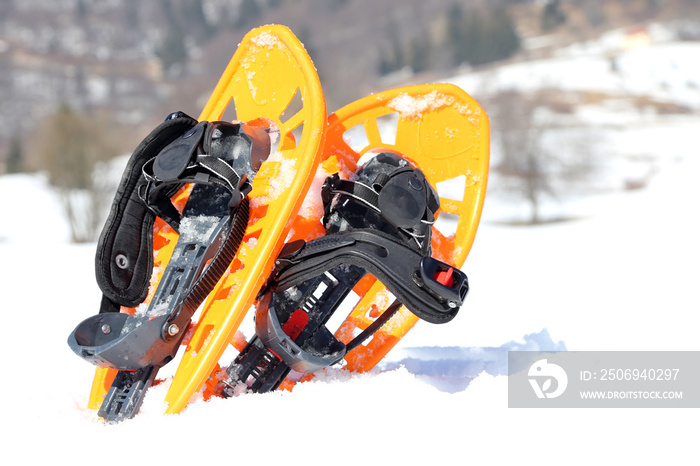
14	159
541	153
74	150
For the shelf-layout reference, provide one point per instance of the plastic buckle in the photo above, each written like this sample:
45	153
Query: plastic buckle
455	288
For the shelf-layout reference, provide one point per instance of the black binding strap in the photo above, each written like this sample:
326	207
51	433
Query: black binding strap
335	185
412	278
403	198
177	152
189	160
124	259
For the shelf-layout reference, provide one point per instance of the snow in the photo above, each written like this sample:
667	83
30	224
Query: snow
312	207
284	177
669	72
621	276
265	39
413	107
198	229
36	195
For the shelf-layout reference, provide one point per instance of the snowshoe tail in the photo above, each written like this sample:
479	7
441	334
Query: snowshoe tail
379	237
273	86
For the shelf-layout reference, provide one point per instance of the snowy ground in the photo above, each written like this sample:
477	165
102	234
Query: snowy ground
623	276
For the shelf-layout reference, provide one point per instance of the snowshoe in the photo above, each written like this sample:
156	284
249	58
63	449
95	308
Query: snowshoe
378	238
220	160
379	223
443	132
212	202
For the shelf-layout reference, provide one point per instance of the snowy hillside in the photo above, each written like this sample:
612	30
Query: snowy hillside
664	70
623	276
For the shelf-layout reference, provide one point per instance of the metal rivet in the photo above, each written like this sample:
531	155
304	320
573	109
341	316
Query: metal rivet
173	330
415	183
106	329
122	261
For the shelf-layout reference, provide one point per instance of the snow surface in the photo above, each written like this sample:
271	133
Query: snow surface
413	107
623	276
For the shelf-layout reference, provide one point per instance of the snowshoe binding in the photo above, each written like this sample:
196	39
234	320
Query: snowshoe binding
380	224
443	133
220	160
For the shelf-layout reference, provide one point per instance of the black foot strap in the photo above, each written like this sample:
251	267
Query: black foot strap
412	278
